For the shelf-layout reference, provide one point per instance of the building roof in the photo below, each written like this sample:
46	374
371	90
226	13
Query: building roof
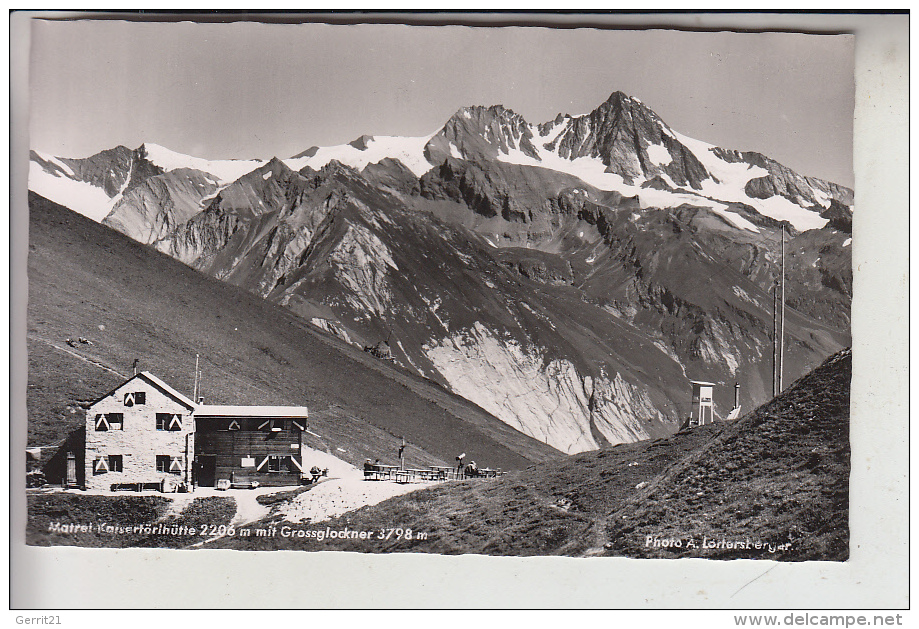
213	410
703	383
159	384
168	389
205	410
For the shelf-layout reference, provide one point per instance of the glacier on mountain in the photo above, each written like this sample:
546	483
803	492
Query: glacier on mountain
408	150
89	200
226	170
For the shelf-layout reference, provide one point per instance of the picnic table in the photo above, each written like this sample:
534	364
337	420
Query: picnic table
443	472
425	474
380	472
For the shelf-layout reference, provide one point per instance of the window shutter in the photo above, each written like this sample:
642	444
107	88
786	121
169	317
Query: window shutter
101	465
101	422
129	399
175	464
175	423
234	425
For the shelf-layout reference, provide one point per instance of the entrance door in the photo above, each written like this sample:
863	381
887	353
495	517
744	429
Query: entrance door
206	469
71	469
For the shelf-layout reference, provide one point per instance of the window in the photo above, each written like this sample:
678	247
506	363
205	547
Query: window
136	397
168	421
272	425
277	463
110	463
168	464
109	421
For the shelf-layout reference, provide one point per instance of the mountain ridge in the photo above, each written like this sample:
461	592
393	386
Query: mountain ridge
589	266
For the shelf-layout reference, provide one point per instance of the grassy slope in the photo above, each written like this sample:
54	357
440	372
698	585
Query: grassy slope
45	508
780	474
126	511
130	301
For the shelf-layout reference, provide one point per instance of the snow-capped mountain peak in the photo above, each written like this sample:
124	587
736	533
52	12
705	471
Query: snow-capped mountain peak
225	170
621	146
365	150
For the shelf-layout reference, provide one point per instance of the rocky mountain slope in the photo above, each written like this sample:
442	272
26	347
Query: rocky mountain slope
568	277
132	302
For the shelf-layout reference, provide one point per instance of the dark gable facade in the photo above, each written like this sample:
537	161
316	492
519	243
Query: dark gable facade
246	444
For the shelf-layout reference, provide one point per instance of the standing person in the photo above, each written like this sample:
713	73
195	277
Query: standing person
459	465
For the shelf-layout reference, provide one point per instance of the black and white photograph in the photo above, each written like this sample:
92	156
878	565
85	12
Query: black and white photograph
385	288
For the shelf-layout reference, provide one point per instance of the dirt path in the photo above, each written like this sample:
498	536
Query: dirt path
95	363
337	496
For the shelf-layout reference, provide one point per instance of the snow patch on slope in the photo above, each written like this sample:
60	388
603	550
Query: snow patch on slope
593	171
51	159
81	197
409	151
226	170
733	177
658	154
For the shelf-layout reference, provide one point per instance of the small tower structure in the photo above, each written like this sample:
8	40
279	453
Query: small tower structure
702	411
735	412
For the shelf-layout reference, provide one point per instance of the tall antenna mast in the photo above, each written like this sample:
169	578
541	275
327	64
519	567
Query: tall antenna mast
775	338
782	320
195	398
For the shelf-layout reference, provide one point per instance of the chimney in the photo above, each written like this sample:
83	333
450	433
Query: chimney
736	395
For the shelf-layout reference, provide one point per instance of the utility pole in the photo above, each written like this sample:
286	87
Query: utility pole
195	398
402	454
782	320
775	338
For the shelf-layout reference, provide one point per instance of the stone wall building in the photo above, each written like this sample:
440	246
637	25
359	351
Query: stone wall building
140	435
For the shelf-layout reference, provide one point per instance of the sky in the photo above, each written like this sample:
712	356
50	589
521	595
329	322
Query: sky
249	90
